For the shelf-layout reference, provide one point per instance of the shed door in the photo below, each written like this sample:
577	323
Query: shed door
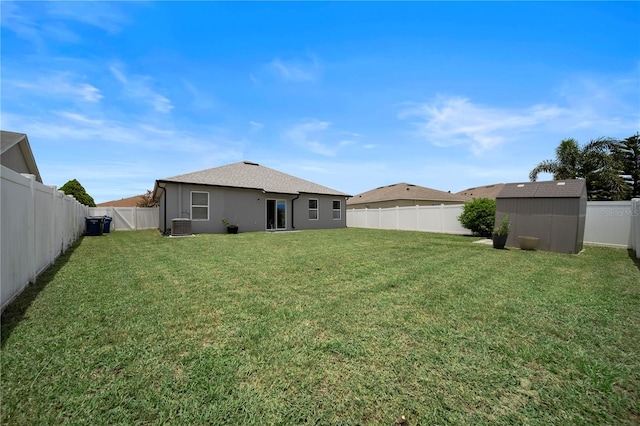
276	214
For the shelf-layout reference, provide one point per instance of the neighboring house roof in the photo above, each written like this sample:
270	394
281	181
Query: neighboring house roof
123	202
17	155
487	191
248	175
571	188
403	191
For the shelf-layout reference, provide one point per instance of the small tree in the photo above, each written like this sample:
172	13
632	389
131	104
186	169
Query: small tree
479	216
74	188
147	200
627	154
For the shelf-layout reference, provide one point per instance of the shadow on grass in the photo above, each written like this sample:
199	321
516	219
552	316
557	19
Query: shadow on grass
16	310
632	255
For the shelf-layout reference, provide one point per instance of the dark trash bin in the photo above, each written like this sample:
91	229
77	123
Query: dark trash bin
107	224
94	225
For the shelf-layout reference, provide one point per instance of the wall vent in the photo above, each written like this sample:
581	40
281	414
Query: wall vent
180	227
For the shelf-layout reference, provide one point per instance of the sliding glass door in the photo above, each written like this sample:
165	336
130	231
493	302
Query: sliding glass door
276	214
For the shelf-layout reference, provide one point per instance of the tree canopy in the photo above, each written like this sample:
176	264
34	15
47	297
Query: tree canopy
147	200
627	154
593	162
74	188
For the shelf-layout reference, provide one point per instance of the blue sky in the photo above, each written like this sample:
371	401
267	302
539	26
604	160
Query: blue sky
348	95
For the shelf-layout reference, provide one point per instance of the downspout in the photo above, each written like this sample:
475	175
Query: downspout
164	190
293	226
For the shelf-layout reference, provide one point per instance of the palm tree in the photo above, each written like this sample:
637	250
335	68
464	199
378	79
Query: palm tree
592	162
627	153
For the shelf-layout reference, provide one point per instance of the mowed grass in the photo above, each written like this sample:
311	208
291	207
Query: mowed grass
339	327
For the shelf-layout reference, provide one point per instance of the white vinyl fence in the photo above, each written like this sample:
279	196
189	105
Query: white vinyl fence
608	223
129	218
37	224
635	225
441	219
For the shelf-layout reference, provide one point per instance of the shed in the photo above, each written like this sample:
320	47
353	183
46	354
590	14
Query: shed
552	211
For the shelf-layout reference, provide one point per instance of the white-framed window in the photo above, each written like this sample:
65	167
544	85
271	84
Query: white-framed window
313	209
199	205
337	209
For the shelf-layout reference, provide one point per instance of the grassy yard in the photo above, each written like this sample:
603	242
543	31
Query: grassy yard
336	327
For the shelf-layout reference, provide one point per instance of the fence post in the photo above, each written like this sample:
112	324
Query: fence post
635	225
52	225
31	228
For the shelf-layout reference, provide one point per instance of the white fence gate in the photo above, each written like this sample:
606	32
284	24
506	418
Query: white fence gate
129	218
37	224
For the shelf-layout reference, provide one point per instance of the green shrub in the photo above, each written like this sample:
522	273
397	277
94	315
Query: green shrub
479	216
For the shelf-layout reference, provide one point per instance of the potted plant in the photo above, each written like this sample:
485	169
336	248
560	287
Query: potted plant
231	229
501	233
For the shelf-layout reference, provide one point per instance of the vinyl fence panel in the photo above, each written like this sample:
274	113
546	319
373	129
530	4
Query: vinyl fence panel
37	224
443	218
608	223
129	218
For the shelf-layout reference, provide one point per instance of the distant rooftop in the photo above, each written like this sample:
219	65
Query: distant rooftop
487	191
403	191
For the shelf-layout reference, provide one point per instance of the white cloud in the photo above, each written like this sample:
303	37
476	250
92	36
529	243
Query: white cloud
318	137
139	88
118	74
255	126
308	135
60	85
298	71
104	15
198	99
597	102
450	120
25	27
42	22
584	105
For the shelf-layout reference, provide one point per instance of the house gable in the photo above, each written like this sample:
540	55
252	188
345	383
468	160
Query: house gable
16	154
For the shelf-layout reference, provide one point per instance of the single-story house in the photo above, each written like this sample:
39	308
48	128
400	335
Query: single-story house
123	202
16	154
402	195
249	195
486	191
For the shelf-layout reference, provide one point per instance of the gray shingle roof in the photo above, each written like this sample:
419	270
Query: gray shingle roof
246	174
403	191
572	188
486	191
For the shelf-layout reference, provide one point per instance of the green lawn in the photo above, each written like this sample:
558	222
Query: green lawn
337	327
